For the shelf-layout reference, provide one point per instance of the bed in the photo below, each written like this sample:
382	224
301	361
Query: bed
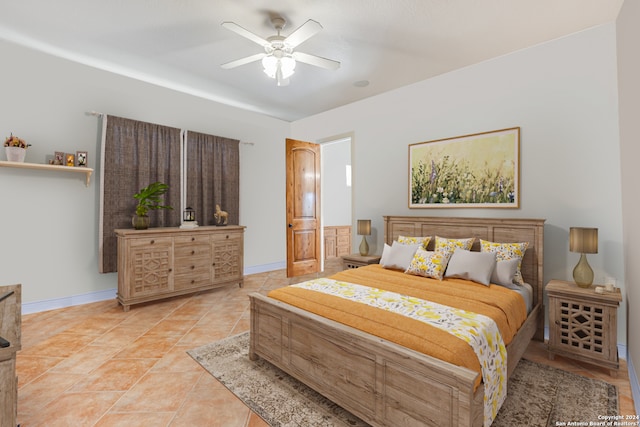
384	383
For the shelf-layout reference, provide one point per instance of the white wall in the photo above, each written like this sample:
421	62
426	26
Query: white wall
628	34
562	94
48	237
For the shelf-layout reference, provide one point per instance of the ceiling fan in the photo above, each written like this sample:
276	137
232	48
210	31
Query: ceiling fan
279	58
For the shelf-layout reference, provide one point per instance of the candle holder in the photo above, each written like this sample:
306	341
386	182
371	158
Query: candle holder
189	218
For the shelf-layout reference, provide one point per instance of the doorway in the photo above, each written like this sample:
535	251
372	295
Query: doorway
336	197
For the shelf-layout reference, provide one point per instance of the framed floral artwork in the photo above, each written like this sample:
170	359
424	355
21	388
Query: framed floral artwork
481	170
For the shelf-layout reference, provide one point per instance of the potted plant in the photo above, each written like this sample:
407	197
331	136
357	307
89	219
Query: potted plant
16	148
148	198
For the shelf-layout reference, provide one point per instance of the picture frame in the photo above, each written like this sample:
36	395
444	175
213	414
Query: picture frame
82	159
70	159
59	158
480	170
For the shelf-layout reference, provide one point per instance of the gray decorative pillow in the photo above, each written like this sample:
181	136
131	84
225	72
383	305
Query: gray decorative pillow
505	272
398	256
474	266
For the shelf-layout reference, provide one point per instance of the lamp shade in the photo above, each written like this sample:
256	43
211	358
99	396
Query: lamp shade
364	227
583	240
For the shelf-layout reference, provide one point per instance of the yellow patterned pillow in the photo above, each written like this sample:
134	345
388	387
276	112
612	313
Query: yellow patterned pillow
449	245
429	264
406	240
505	252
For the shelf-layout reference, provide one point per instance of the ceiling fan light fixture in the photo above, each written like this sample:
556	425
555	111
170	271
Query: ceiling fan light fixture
279	58
272	65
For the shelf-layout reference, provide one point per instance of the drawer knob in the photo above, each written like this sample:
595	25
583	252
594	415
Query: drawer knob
227	236
193	266
193	252
153	241
193	238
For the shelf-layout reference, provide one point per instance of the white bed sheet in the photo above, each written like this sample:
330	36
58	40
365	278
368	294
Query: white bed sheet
526	291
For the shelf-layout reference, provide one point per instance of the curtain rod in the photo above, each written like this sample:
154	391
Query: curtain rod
98	114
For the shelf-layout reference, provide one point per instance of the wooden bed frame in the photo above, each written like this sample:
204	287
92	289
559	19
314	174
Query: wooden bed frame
381	382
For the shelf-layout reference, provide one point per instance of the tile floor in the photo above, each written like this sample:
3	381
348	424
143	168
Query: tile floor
95	365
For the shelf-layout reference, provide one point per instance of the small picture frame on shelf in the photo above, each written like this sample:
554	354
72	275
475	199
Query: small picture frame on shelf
58	158
81	159
70	159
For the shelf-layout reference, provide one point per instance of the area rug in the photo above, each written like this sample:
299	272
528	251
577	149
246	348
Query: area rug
538	395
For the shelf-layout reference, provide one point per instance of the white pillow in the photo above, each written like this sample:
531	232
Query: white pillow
398	256
505	272
474	266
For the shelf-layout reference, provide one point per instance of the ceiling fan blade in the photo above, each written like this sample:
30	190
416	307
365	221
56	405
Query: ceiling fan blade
317	61
242	61
245	33
303	33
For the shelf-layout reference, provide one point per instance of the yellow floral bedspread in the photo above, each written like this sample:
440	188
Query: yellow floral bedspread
479	331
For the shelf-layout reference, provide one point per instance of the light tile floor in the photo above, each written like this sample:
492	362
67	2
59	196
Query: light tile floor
95	365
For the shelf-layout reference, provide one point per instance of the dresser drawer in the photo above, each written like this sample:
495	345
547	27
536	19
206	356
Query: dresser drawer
182	251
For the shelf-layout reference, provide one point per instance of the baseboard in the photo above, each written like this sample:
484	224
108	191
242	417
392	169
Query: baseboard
52	304
265	267
633	382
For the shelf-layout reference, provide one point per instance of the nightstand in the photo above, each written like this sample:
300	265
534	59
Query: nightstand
583	323
357	260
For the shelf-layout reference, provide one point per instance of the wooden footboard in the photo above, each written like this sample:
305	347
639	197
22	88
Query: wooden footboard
381	382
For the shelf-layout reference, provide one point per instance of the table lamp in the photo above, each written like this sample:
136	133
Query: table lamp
364	229
584	241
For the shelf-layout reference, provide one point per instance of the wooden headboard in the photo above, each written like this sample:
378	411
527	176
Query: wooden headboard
502	230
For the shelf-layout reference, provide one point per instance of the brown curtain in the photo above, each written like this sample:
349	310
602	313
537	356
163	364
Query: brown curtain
213	169
136	154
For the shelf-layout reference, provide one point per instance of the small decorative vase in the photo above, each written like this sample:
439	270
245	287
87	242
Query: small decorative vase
15	154
140	222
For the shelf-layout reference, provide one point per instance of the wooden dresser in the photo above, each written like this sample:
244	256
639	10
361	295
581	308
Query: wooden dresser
583	323
10	331
337	241
164	262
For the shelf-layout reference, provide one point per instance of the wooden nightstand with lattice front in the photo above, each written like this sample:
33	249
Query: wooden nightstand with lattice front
583	323
357	260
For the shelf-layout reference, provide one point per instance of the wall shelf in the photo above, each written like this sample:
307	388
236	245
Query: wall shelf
19	165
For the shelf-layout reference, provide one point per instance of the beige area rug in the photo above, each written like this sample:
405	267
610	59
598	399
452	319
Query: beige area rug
538	395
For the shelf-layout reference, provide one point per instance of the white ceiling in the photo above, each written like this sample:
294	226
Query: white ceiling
389	43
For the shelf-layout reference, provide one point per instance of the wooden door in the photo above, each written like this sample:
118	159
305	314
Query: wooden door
303	208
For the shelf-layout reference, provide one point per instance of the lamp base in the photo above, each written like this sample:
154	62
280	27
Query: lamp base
582	273
364	247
